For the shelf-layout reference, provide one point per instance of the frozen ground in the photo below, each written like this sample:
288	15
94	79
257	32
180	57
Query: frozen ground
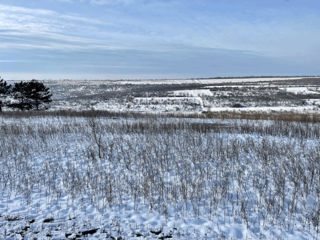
152	177
190	96
158	178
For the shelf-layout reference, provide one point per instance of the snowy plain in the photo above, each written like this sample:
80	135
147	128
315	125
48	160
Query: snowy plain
300	95
158	177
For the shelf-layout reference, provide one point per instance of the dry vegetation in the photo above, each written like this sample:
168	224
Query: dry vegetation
275	116
256	172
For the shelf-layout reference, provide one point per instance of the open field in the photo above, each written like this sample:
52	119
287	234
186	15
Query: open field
146	170
158	177
190	96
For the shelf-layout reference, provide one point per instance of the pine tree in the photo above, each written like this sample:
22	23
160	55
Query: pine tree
4	91
31	95
4	86
19	93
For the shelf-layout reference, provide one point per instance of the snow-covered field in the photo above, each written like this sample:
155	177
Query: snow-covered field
294	94
205	80
121	175
158	178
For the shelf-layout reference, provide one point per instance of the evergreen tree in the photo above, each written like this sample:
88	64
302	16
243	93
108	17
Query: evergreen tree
4	91
19	93
30	95
4	86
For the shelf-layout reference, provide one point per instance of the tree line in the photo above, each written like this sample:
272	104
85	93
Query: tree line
24	95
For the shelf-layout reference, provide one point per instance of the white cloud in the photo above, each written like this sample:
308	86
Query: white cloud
159	26
46	29
26	28
110	35
14	9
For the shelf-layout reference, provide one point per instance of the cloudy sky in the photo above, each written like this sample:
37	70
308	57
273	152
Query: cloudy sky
114	39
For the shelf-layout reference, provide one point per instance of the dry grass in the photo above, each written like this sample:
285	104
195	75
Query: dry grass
284	116
275	116
257	168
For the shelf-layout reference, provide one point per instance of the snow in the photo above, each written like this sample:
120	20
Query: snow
205	80
193	93
267	109
301	90
53	185
188	95
37	195
178	81
168	104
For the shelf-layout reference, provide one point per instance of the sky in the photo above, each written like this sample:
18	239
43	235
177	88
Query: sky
139	39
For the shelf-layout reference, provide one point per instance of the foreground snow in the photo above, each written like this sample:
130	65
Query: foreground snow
46	218
158	179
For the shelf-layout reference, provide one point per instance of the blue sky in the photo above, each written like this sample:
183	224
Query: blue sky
116	39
